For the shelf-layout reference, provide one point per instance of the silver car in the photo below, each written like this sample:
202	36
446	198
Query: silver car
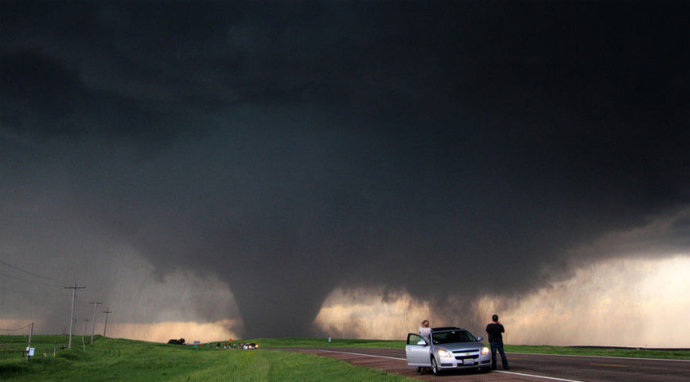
449	348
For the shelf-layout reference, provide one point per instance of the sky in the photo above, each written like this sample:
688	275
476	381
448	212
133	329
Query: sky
246	169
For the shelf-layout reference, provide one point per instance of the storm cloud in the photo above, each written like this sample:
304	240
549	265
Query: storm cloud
443	149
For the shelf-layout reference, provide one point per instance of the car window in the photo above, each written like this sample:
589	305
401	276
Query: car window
415	339
452	336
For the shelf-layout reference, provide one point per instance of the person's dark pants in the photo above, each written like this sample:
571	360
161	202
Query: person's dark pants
498	346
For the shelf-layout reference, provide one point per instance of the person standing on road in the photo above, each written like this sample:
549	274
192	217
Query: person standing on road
494	329
425	331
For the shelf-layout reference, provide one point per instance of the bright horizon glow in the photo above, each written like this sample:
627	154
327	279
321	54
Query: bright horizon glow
622	302
361	313
616	302
163	331
152	332
619	302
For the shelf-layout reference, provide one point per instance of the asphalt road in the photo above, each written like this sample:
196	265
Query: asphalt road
524	367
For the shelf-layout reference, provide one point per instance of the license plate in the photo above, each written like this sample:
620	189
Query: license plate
468	362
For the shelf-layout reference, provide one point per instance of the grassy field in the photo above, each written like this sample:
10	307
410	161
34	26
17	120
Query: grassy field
13	346
565	350
126	360
598	351
323	342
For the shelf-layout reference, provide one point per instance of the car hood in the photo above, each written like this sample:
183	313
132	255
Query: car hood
461	346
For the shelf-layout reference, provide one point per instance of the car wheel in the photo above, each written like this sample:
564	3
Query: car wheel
434	367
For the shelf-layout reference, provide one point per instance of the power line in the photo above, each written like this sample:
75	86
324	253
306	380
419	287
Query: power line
33	293
29	272
17	329
5	274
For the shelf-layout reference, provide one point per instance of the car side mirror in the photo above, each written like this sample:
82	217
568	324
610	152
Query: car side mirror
479	338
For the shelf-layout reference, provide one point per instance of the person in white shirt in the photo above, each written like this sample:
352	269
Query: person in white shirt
425	331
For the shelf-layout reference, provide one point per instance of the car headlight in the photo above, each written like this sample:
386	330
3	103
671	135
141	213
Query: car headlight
485	350
444	353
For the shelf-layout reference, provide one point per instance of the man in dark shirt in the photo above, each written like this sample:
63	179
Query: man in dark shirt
494	330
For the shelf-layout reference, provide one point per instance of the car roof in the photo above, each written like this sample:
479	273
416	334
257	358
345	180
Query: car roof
445	328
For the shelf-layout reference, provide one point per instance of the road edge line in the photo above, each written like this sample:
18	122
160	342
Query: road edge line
537	376
498	371
368	355
604	356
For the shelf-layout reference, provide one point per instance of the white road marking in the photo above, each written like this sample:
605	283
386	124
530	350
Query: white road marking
368	355
604	356
536	376
498	371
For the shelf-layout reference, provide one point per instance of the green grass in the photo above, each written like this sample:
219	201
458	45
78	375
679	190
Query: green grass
13	346
565	350
126	360
597	351
323	343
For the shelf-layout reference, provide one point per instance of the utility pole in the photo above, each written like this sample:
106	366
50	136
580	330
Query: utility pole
93	322
28	348
83	344
71	316
107	312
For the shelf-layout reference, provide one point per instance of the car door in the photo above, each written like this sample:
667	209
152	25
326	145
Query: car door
417	351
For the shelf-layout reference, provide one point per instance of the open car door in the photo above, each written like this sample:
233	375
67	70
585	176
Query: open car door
417	351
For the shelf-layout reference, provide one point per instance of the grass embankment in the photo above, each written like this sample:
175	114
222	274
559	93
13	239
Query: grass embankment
323	343
563	350
12	347
126	360
600	351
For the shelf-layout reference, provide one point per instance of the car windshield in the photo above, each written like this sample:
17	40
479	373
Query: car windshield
452	336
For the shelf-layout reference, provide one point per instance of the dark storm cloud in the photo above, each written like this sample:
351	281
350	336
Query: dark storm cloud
293	148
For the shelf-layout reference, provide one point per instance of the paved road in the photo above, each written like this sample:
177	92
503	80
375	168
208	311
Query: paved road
524	367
